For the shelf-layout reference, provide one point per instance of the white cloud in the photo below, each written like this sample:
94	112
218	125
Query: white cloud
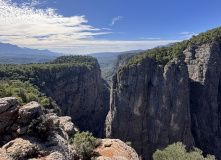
26	26
187	35
150	38
115	19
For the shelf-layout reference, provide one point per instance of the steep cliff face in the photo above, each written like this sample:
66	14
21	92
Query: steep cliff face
81	94
205	95
150	106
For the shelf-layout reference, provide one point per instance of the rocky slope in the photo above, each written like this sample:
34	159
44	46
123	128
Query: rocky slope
17	141
26	132
154	105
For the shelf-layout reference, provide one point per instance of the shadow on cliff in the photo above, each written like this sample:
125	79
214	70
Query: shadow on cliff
205	105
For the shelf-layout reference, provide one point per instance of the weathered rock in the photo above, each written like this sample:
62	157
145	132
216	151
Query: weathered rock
19	145
55	119
9	112
7	102
55	156
204	67
115	149
29	147
19	148
22	130
67	125
28	112
150	106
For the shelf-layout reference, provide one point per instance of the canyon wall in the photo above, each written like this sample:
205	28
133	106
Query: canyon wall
155	105
150	106
81	94
203	64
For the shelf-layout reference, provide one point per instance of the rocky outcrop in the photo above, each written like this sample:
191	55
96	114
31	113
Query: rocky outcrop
20	140
8	113
150	106
115	149
14	119
81	94
204	67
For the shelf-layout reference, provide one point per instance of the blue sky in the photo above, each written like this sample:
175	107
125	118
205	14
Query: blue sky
90	26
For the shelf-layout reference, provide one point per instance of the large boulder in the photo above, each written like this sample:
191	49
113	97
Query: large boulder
29	112
7	102
8	112
115	149
28	147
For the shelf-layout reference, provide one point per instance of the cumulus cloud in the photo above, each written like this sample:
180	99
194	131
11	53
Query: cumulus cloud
115	19
23	22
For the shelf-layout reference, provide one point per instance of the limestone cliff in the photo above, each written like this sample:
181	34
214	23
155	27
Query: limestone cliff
154	105
74	82
81	94
204	67
150	106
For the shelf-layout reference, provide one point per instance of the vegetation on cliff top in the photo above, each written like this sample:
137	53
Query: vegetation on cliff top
164	54
29	72
23	81
25	92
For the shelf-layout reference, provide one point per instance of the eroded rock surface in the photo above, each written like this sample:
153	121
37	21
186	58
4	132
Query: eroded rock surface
17	141
115	149
150	106
154	105
204	67
81	94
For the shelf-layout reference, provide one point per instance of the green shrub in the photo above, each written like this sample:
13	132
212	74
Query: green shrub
41	127
177	151
84	144
26	92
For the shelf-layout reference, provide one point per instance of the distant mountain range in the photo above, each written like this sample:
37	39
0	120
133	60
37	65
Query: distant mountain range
111	54
12	54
